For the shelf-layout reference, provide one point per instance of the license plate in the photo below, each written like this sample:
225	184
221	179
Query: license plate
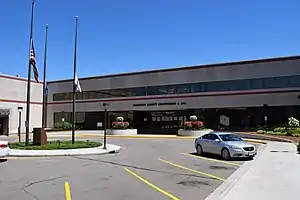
250	154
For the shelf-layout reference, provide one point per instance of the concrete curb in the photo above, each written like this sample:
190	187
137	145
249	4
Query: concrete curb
263	137
65	152
224	189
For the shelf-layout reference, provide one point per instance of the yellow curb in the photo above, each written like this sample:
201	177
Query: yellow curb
255	141
139	136
147	137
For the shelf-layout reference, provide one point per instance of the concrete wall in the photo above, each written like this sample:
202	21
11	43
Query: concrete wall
272	97
13	95
190	75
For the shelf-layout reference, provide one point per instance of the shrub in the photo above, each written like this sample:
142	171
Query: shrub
293	122
293	132
280	129
120	125
193	125
62	126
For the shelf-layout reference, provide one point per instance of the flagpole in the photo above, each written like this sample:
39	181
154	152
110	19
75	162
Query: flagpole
74	87
44	81
29	78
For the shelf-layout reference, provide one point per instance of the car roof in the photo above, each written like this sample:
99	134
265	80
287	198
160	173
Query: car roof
222	133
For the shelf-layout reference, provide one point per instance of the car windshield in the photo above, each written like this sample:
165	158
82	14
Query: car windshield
230	137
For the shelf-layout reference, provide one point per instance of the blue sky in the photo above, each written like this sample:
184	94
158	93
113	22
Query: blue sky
123	36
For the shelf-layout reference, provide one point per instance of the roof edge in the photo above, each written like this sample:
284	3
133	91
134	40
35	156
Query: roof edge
18	78
261	60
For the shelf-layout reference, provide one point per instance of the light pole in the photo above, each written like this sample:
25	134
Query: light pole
105	124
20	109
266	117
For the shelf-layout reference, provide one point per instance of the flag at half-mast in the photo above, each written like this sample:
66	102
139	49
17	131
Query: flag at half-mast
77	84
33	62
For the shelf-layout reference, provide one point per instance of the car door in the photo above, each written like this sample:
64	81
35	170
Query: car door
205	143
215	146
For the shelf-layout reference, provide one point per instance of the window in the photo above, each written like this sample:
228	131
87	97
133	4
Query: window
256	84
240	85
275	82
167	104
62	96
139	104
157	90
183	88
214	137
207	137
216	86
294	81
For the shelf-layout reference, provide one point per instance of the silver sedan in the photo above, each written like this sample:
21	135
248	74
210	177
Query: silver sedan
226	144
4	149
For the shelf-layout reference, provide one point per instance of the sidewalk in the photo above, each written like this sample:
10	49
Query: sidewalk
274	175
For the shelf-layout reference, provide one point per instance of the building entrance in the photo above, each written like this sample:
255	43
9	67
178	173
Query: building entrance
4	125
159	122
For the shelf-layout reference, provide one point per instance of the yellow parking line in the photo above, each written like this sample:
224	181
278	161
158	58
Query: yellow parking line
68	191
151	185
211	159
192	170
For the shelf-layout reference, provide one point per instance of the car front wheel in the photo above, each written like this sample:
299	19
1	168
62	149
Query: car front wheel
225	154
199	150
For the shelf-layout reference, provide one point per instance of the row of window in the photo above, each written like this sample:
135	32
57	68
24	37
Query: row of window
215	86
160	104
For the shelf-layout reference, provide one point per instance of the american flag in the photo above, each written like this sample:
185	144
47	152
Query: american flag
33	62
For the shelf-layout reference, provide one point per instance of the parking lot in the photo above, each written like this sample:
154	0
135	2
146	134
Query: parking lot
144	169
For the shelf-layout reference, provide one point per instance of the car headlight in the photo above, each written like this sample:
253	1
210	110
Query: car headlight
236	148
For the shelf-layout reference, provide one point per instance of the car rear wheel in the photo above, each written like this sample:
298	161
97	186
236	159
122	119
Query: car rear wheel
225	154
199	150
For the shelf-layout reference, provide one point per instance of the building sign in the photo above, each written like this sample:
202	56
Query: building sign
99	124
4	112
224	120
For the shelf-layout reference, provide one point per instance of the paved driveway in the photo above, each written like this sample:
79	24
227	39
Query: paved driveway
144	169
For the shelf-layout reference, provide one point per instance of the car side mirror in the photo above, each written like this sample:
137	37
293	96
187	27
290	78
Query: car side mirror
217	140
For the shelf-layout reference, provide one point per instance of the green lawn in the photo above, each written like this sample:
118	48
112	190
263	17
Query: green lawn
51	145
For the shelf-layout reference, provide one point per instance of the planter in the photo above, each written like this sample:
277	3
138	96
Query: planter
121	131
196	133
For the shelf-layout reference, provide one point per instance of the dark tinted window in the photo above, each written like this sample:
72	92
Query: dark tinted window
214	137
198	87
183	88
206	137
276	82
294	81
240	85
213	86
256	84
157	90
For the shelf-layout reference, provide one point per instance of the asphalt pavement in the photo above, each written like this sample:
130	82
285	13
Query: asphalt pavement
153	169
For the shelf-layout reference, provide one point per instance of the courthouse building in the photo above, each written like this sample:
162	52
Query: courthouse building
159	101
